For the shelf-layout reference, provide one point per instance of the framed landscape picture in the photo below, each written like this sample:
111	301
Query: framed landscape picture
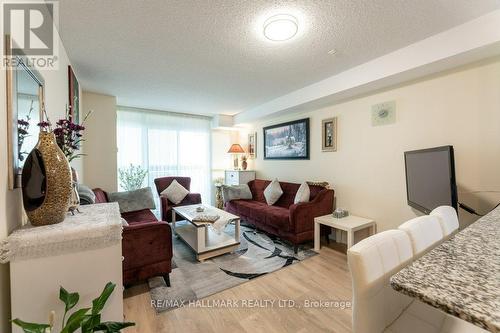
329	134
287	141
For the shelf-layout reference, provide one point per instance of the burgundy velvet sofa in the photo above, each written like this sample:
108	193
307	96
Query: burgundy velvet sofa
289	221
146	245
166	205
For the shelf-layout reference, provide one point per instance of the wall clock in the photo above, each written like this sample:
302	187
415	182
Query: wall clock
384	113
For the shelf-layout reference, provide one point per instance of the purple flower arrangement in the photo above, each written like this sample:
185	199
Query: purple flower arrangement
69	135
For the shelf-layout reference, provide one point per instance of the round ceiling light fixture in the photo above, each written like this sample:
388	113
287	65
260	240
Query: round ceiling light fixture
280	27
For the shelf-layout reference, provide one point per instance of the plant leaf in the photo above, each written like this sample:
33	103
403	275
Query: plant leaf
112	326
90	322
31	327
75	320
99	302
69	299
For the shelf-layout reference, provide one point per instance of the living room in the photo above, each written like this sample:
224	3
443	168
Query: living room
257	168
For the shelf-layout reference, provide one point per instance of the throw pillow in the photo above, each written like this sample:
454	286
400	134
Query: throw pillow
273	192
303	194
132	201
322	184
87	197
236	192
175	192
124	223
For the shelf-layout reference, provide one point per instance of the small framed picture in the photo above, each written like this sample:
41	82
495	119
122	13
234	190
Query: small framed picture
74	96
329	134
252	145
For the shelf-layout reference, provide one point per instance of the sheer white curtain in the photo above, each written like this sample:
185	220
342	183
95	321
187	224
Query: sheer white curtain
166	144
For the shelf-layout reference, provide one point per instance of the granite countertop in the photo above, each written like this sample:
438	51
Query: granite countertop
462	275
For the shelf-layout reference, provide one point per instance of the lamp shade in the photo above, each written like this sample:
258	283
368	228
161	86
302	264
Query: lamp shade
236	149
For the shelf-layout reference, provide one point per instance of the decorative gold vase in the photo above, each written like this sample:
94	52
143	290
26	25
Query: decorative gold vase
46	182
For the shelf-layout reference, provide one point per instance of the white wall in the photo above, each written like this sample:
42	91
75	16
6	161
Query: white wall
11	211
99	164
460	108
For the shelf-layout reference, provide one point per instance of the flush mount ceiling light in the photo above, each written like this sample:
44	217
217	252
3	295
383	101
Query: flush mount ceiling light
280	27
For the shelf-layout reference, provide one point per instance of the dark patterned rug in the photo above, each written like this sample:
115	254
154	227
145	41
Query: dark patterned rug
259	253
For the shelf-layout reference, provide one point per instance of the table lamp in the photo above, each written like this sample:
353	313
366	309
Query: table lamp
236	149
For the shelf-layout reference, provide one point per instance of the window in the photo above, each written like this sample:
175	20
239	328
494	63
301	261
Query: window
166	144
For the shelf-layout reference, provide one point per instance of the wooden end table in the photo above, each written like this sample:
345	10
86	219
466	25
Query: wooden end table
350	224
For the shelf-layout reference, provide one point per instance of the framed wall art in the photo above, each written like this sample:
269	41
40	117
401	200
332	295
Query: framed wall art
329	134
287	141
252	145
74	96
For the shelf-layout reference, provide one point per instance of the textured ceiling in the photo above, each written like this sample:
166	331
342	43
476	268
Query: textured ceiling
210	56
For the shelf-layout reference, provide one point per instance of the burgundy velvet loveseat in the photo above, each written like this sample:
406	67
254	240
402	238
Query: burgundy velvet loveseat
289	221
146	245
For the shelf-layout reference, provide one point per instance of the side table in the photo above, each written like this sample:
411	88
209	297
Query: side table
350	224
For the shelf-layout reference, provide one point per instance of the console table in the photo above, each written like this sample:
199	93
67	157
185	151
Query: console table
238	177
81	254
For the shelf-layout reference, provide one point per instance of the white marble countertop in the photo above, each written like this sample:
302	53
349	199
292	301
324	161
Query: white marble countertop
462	275
96	226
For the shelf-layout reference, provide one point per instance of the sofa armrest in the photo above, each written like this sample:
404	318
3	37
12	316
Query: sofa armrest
165	208
302	214
146	243
166	205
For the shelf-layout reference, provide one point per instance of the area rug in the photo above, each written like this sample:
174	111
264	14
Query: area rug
259	253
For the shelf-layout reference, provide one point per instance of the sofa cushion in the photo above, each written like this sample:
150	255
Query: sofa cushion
144	215
277	217
258	186
303	194
131	201
273	192
175	192
87	197
236	192
249	208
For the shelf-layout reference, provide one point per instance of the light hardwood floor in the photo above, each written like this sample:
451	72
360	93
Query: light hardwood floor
323	277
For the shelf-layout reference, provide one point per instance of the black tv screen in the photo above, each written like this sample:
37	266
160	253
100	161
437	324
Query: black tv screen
430	178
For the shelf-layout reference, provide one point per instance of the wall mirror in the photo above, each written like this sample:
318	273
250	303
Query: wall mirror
25	99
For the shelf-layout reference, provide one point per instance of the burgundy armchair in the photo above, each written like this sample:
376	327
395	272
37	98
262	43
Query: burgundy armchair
146	245
166	205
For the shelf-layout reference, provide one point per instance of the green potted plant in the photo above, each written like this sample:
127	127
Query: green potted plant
88	319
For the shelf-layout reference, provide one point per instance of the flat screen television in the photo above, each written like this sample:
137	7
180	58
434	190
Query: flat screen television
430	178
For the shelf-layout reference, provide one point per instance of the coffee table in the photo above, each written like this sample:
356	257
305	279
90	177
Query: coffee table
200	237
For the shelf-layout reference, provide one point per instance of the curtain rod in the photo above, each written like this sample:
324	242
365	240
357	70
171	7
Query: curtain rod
131	108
